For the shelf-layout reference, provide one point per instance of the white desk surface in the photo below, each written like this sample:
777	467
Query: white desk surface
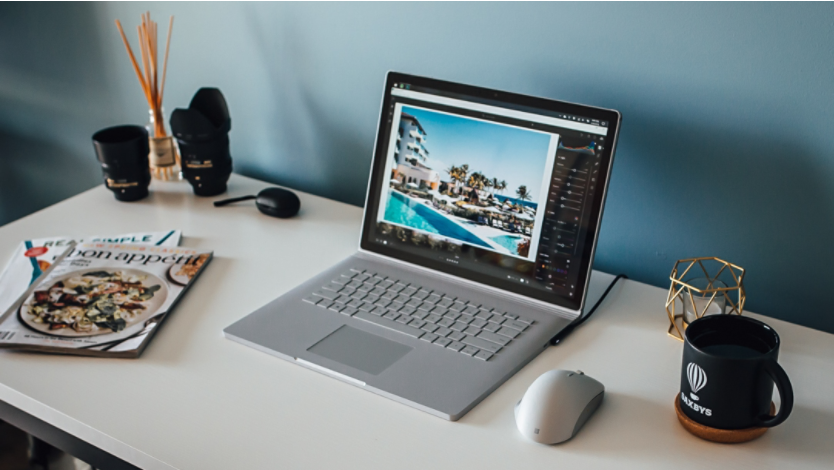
195	400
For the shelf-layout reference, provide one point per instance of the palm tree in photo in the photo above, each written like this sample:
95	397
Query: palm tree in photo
503	186
476	181
453	173
463	170
458	174
522	193
496	185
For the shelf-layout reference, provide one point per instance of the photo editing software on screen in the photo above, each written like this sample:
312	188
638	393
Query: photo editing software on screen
488	187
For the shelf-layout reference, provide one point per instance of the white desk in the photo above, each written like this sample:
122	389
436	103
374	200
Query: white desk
195	400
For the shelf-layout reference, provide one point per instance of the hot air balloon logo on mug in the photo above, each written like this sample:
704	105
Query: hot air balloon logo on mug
697	379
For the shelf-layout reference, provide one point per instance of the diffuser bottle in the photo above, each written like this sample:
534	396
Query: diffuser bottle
164	156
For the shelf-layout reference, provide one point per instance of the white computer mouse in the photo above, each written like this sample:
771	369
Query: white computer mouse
556	406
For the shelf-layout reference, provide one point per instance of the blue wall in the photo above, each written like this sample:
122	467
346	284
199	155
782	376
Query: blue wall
725	150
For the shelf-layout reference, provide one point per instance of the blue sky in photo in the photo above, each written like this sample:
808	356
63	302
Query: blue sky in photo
512	154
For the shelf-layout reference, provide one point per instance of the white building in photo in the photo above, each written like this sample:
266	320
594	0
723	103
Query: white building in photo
410	154
411	139
419	174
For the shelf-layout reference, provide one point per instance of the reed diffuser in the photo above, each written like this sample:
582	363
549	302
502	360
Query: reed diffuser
164	157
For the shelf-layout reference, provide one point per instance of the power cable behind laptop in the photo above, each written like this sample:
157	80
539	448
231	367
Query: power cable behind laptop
568	329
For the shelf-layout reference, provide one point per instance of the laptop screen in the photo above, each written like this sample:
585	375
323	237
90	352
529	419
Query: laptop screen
502	189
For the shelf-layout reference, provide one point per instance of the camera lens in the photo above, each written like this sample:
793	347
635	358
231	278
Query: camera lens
202	132
206	165
123	154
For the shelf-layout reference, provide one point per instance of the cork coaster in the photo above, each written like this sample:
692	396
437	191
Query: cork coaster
724	436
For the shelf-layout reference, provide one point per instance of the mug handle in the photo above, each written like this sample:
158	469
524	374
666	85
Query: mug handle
783	384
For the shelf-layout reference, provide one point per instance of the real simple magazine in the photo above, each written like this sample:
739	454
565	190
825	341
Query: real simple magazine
33	257
102	299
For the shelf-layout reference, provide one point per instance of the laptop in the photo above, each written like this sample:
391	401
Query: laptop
480	224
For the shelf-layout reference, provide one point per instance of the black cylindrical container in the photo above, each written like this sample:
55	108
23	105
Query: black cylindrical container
206	165
728	372
202	132
123	154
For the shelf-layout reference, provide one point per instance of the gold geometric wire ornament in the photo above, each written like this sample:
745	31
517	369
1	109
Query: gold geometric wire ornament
710	292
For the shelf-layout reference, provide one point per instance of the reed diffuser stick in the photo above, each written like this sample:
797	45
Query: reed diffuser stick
165	62
146	67
133	61
148	71
165	164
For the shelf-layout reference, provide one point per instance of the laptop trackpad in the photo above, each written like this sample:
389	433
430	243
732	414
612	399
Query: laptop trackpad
361	350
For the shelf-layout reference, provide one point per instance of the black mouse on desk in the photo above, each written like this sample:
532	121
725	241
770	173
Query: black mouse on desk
275	202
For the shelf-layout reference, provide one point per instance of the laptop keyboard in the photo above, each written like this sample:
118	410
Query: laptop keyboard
453	323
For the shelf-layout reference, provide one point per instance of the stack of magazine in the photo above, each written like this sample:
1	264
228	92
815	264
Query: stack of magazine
96	296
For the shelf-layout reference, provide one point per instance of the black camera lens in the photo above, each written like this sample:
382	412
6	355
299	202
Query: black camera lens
123	154
202	132
206	165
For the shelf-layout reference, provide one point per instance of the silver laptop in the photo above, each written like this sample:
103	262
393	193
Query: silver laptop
479	231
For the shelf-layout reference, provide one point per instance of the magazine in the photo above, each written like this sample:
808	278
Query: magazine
102	299
33	257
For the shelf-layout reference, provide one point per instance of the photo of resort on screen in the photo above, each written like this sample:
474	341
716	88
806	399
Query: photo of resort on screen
455	181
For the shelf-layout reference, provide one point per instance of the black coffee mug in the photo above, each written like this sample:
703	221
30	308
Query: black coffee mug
729	368
123	154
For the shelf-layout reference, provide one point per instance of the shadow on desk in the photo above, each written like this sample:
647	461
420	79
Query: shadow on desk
643	413
170	342
806	434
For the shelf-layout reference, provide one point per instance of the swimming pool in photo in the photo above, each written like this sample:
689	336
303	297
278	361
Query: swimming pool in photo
402	210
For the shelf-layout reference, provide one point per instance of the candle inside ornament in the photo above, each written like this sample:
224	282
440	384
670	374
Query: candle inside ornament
702	305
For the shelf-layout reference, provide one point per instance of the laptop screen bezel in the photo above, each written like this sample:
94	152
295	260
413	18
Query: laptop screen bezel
372	199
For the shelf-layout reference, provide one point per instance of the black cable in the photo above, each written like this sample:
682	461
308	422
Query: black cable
568	329
234	199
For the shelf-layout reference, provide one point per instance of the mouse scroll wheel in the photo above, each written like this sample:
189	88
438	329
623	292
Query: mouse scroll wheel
580	372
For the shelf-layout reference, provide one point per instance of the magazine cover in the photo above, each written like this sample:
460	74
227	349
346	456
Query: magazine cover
102	299
33	257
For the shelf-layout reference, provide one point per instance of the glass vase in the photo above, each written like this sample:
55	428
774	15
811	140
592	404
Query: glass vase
164	156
